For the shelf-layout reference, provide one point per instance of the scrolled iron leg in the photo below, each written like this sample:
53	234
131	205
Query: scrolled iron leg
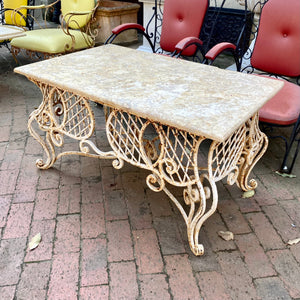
172	157
46	143
196	197
255	146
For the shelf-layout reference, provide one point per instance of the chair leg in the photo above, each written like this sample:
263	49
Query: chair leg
5	44
284	169
15	51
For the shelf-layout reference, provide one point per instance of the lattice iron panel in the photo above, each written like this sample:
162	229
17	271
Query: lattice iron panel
171	155
224	156
66	113
171	152
180	159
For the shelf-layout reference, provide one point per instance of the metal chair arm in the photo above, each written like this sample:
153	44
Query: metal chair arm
126	26
186	42
33	7
218	49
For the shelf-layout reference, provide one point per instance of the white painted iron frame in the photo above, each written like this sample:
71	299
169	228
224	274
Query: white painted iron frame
171	155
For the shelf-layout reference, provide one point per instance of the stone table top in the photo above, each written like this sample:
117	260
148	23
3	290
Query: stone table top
9	32
200	99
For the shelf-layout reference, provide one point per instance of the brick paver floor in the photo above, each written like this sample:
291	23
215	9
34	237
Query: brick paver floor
106	235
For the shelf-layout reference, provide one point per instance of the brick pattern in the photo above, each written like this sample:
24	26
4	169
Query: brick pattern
106	235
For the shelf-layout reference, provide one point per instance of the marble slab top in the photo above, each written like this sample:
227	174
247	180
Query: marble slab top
200	99
9	32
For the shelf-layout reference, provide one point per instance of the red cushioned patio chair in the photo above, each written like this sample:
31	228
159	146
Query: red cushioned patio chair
176	28
276	52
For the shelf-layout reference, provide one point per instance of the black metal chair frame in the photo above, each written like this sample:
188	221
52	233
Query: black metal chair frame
233	24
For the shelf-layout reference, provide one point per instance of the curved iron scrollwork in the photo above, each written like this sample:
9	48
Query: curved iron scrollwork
63	114
256	145
255	8
173	157
156	23
223	157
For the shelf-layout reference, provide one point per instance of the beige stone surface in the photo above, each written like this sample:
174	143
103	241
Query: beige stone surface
9	32
201	99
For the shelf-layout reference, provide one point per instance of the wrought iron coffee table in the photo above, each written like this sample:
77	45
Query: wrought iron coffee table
159	111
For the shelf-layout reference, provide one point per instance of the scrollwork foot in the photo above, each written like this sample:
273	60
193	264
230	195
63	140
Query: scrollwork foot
198	250
44	165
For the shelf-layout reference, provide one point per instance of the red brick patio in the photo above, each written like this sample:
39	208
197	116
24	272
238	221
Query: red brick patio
106	235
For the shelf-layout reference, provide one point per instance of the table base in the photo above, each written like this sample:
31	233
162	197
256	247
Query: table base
171	155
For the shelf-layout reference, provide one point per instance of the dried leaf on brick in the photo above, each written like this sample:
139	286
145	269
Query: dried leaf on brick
226	235
35	241
294	241
248	194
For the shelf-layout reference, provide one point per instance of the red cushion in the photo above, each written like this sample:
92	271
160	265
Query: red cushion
284	107
181	19
277	46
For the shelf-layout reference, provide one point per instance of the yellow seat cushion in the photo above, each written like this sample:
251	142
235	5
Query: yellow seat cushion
51	40
10	17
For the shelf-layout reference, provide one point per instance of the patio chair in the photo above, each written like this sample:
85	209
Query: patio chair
23	19
276	52
76	32
177	28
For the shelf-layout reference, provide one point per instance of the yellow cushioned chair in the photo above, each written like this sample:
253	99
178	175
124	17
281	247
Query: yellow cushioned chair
75	33
8	17
9	6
